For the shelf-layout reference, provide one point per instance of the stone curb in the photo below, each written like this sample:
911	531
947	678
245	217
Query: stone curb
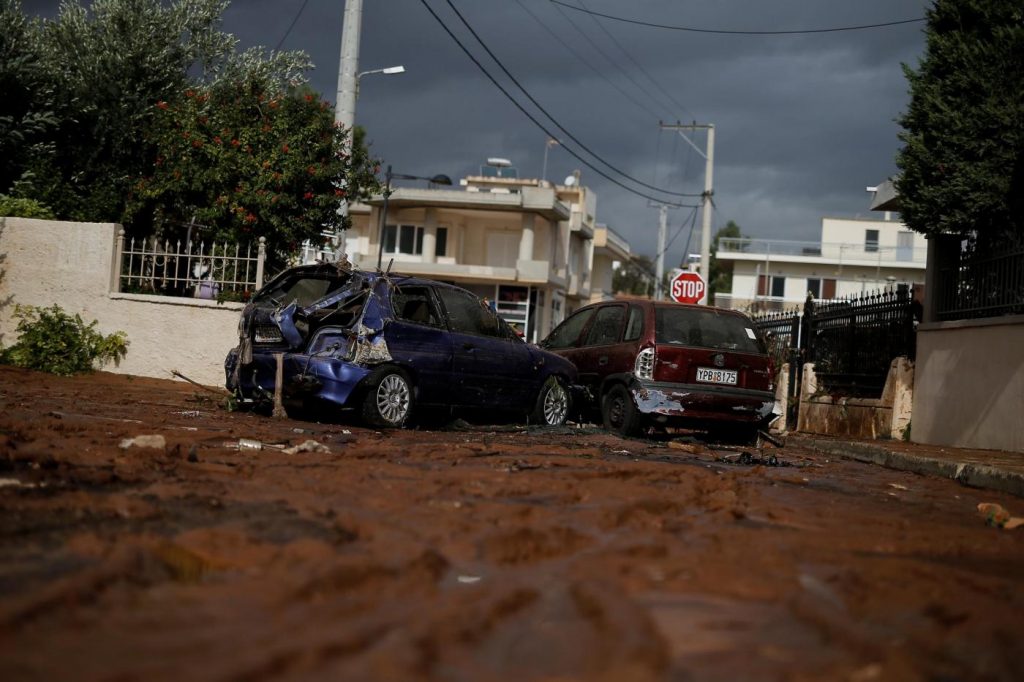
973	475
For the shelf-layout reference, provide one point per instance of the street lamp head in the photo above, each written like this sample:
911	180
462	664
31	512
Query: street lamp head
440	180
393	69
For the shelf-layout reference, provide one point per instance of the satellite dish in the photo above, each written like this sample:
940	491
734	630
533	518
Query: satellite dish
570	181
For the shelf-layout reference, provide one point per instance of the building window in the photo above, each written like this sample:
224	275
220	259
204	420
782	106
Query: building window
408	239
824	289
441	244
871	241
771	285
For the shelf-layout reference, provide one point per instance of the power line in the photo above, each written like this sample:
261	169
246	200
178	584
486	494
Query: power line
744	33
552	118
612	62
295	20
560	41
638	65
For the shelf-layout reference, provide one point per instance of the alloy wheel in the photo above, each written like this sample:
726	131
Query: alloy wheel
556	404
393	397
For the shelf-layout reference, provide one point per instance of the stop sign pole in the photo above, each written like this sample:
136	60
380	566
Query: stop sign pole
688	287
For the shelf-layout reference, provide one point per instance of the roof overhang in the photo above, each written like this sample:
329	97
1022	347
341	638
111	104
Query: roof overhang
886	198
535	200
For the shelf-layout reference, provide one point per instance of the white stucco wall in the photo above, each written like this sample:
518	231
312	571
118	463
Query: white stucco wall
70	264
969	390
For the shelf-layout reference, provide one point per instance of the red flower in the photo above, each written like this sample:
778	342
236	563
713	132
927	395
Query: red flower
284	148
307	195
217	140
197	143
161	104
250	218
235	143
189	94
339	192
309	98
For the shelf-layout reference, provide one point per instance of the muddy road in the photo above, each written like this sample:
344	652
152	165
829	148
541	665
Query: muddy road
471	554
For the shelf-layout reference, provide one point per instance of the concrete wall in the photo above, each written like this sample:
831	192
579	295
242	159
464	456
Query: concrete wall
71	264
970	384
885	417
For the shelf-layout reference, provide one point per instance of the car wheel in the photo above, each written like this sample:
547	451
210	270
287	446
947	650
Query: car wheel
552	406
619	412
388	400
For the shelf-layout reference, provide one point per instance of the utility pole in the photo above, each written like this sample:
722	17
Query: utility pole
348	82
659	269
709	167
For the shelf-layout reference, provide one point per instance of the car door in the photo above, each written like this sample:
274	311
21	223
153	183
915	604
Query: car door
418	338
602	351
490	368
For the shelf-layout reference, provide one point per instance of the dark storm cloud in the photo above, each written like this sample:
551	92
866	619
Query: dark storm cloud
803	122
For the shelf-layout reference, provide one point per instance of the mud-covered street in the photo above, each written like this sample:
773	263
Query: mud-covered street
475	553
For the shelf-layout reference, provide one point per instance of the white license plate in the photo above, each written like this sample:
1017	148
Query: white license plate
716	376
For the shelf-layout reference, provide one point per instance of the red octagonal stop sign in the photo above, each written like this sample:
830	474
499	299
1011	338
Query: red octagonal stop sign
688	287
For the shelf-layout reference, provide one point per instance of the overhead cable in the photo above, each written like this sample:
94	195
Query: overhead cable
727	32
295	19
541	125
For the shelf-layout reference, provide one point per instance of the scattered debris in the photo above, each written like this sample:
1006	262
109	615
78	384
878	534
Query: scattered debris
308	446
15	483
155	441
179	375
693	448
193	453
750	459
998	516
188	414
522	465
777	442
468	579
898	486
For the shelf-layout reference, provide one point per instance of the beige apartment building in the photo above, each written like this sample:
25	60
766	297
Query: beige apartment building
530	247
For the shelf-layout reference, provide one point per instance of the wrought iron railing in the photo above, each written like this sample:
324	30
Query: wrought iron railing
980	281
851	341
216	271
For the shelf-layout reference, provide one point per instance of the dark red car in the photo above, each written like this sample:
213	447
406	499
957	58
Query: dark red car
643	363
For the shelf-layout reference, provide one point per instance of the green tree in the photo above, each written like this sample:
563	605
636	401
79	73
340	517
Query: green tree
252	160
720	276
634	277
26	110
962	164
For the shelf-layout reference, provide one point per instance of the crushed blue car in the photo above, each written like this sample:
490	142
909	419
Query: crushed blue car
388	345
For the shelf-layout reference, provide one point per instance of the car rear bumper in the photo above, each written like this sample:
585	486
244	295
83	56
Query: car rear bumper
305	377
701	402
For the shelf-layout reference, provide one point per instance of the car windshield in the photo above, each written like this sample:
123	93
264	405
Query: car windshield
304	290
706	328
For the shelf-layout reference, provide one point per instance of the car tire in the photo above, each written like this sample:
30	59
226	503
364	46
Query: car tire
388	401
619	413
552	407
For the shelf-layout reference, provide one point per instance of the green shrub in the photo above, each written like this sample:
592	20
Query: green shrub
16	207
53	341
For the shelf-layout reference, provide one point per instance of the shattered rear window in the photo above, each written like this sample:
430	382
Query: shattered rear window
302	290
705	329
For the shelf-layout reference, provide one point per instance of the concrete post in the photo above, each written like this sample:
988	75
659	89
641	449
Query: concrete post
526	239
115	267
261	257
430	235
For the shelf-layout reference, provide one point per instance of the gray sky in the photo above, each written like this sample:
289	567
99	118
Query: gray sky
803	122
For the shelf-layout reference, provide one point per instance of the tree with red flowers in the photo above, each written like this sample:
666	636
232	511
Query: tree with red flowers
250	160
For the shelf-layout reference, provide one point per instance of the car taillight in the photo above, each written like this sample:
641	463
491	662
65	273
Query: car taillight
644	367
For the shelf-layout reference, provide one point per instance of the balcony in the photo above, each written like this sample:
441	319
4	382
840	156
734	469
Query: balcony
821	252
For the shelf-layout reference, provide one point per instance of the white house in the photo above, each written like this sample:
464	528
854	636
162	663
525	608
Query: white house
531	247
854	255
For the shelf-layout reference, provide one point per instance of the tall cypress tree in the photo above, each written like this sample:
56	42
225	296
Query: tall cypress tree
962	166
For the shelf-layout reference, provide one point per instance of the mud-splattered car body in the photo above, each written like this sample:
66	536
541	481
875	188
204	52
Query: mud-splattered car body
383	343
643	363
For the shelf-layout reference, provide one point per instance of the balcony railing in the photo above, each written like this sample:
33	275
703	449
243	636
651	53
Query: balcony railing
832	251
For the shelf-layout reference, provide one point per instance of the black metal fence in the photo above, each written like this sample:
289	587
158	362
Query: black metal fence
852	341
980	279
